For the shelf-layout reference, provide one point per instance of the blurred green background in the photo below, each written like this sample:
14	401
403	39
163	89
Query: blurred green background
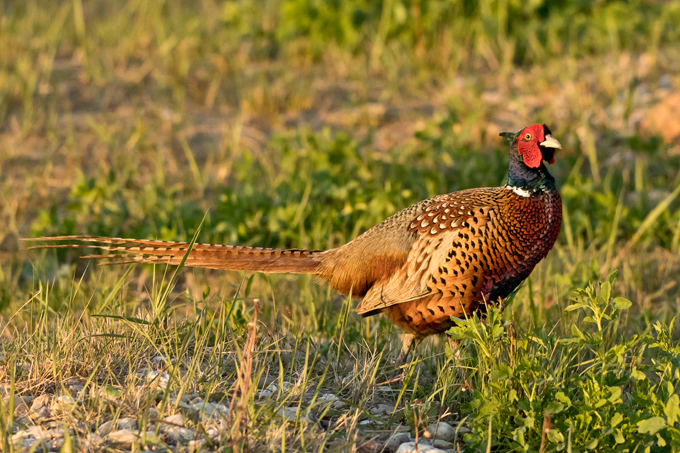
304	122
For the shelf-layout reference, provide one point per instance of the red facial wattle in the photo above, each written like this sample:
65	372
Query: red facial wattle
536	143
531	153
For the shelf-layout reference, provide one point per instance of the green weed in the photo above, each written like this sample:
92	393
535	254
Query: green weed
595	389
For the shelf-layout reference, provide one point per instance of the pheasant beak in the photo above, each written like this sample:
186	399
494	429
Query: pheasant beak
550	142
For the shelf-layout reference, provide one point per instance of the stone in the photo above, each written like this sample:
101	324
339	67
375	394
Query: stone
27	438
370	446
75	387
207	410
327	397
290	413
392	444
410	447
123	437
91	442
42	400
187	397
21	404
174	429
217	411
335	401
65	403
26	399
179	435
56	433
383	409
153	413
34	432
114	425
153	378
56	444
272	388
443	444
159	361
443	431
126	438
196	445
268	391
21	410
176	419
41	406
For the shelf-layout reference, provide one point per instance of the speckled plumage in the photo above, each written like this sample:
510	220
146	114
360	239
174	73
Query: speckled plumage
443	257
470	247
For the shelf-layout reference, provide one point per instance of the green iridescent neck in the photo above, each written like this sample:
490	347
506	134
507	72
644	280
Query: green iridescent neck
531	180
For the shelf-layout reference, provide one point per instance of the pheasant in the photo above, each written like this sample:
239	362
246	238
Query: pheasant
447	256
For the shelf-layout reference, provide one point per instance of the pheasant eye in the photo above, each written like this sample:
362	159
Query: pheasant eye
527	136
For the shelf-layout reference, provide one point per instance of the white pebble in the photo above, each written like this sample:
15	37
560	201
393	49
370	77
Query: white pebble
196	445
443	431
382	409
66	402
127	437
123	437
207	410
177	434
410	447
264	393
158	378
443	444
289	413
328	397
394	442
120	424
177	419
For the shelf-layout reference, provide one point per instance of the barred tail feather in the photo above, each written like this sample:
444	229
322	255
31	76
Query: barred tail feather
228	257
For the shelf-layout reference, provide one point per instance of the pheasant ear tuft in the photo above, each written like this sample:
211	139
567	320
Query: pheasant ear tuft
508	136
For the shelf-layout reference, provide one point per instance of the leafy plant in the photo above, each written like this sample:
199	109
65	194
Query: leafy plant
591	390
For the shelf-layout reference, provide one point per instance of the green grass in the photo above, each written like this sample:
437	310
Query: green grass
303	123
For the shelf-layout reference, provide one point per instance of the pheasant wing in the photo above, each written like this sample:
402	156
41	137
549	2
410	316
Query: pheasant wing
452	255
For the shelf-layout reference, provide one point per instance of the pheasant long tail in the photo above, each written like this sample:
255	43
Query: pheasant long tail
126	251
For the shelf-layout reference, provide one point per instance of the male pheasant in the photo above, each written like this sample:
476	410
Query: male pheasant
443	257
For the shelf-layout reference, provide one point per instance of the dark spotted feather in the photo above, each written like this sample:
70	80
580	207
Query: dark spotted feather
471	247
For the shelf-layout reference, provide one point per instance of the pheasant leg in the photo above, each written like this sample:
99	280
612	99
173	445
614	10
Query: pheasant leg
454	345
408	342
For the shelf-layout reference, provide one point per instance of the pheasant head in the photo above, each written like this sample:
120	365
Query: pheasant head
528	149
533	144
